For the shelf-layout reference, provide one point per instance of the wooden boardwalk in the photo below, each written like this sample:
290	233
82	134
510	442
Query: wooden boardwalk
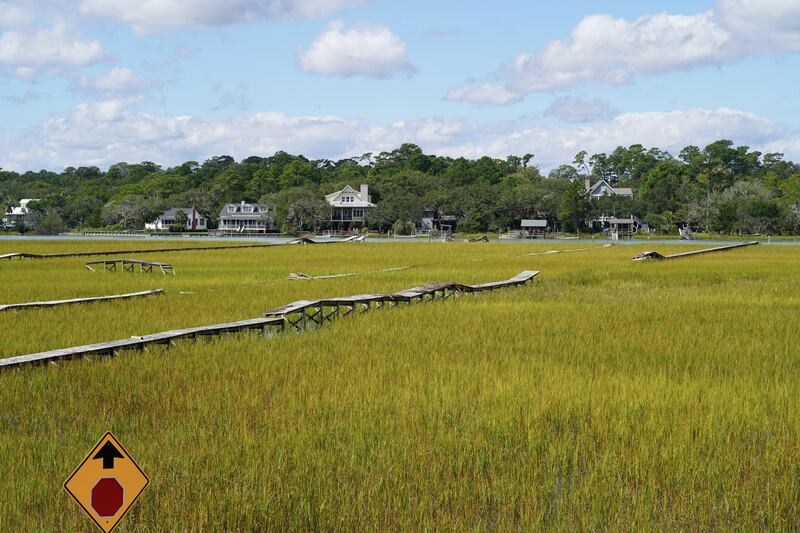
129	265
655	256
303	240
139	251
73	301
139	343
298	315
303	313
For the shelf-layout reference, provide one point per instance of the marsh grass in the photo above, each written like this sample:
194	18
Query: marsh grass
610	395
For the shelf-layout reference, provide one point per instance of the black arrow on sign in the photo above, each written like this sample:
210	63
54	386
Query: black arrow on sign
108	453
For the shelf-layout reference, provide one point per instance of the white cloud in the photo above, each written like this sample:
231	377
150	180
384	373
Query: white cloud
144	15
112	130
577	110
30	51
764	23
13	15
603	49
483	93
373	51
117	81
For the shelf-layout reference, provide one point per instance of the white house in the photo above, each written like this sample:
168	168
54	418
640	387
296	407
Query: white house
349	206
16	215
195	221
603	188
245	217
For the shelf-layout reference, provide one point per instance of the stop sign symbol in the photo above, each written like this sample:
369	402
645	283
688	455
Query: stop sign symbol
107	497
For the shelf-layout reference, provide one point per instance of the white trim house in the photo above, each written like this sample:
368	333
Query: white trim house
349	205
246	217
16	215
195	221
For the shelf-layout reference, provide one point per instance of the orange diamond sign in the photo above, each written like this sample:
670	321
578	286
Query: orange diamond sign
107	483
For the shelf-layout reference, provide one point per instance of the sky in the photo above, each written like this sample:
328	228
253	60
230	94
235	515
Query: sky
94	82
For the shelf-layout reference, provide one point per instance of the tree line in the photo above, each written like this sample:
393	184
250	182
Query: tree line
720	188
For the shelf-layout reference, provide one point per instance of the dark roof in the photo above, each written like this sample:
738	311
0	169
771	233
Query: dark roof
172	213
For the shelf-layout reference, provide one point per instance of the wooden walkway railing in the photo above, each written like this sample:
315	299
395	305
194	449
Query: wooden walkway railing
129	265
644	256
298	315
72	301
302	313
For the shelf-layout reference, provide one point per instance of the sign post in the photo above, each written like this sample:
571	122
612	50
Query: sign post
106	483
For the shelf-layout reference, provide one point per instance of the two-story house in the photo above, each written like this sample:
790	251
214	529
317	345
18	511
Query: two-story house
195	221
349	206
17	216
245	217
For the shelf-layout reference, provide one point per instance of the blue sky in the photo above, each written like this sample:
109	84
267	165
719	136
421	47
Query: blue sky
100	81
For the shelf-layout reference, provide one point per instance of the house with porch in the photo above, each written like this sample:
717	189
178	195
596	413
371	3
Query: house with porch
349	206
246	217
195	221
16	216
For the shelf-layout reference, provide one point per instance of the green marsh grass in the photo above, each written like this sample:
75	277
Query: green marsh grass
609	395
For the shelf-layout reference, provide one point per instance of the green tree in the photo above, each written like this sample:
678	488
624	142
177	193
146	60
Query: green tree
574	206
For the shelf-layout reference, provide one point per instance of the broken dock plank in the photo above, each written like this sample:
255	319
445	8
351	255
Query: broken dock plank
655	256
138	343
73	301
303	240
128	265
139	251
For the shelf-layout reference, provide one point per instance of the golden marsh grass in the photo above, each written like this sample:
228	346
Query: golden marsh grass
609	395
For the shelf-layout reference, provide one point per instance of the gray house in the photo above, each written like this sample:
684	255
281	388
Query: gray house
245	217
195	221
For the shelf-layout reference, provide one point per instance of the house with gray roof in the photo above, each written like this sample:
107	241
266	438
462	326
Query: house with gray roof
195	221
604	188
247	217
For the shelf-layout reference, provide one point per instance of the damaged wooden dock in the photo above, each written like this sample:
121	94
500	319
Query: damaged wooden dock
24	255
304	313
655	256
302	240
297	315
129	265
139	343
73	301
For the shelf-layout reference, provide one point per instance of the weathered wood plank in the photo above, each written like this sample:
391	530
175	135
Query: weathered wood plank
136	251
658	257
72	301
108	348
129	265
303	240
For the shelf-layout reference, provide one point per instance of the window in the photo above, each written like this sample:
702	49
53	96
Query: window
231	209
247	209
